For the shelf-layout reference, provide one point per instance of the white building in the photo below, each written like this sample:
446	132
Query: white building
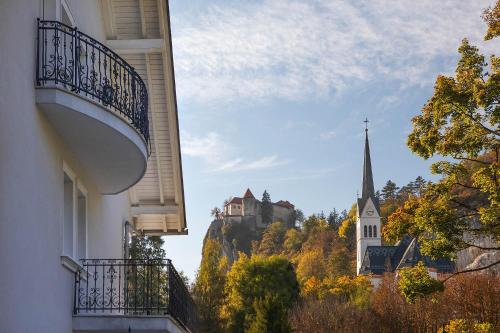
89	154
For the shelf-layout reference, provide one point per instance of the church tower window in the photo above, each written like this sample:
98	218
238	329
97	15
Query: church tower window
375	231
366	231
370	231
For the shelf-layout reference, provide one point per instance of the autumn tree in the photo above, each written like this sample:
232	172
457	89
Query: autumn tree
266	209
272	239
209	286
251	281
461	122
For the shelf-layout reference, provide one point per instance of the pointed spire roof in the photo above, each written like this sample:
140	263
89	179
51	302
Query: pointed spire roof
248	194
368	189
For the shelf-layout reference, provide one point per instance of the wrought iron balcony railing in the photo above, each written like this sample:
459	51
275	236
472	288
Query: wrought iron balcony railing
146	287
77	62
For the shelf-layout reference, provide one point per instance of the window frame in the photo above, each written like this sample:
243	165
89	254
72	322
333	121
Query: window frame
71	260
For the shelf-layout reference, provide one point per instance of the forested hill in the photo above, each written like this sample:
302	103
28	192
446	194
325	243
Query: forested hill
336	229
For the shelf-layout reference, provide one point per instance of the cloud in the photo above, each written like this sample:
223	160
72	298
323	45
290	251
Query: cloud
240	164
294	49
216	152
328	135
210	148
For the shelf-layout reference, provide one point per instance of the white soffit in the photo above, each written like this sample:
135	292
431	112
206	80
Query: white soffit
139	30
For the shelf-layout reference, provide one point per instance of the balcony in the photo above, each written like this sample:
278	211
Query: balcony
96	102
130	295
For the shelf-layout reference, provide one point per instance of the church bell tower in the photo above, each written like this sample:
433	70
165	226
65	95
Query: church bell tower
368	212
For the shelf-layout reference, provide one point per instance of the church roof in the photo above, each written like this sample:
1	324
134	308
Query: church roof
368	190
405	253
248	194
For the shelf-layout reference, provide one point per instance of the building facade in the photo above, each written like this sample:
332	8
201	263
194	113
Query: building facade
89	155
247	209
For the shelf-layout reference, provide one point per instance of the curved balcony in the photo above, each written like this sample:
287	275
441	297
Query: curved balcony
96	102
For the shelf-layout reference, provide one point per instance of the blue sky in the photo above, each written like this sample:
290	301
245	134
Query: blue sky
272	95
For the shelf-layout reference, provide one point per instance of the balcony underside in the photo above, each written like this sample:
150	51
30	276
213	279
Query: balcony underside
110	150
117	323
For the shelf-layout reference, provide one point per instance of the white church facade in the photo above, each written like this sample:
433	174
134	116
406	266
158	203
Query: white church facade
373	258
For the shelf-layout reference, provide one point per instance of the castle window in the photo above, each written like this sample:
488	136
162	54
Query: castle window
370	231
374	231
366	232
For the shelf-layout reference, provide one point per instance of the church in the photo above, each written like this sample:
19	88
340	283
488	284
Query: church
373	258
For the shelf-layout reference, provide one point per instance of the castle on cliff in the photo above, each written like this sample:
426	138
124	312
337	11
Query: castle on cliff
247	209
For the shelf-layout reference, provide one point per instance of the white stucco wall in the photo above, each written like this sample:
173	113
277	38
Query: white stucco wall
36	290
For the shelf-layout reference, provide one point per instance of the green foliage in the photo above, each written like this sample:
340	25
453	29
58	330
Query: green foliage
389	191
272	239
416	282
270	316
461	121
147	247
253	279
266	208
209	286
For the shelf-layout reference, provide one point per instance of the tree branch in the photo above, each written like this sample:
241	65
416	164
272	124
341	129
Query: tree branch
482	247
470	160
464	205
468	115
471	270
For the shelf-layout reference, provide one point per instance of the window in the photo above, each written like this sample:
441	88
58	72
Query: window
69	208
81	222
366	233
374	231
75	216
370	231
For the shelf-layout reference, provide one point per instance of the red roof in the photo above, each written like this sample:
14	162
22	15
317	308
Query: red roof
235	200
285	204
248	194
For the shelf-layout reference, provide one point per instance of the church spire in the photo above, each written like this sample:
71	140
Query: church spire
368	188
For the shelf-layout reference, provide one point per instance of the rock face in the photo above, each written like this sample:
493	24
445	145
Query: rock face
474	257
234	237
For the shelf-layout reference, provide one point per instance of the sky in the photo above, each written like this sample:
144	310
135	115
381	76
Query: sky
272	95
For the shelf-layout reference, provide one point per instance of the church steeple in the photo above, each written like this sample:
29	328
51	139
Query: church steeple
368	217
368	189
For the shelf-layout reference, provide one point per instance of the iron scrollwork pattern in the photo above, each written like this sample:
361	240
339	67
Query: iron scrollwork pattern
77	62
138	287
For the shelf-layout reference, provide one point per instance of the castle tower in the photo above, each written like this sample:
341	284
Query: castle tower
368	214
249	204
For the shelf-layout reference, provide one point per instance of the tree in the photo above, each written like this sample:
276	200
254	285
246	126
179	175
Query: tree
251	280
267	209
389	191
296	218
293	241
492	18
461	121
146	247
270	316
209	286
216	213
416	282
272	239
